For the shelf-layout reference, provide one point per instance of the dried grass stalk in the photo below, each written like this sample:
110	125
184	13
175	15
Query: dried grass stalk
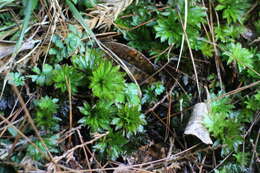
106	12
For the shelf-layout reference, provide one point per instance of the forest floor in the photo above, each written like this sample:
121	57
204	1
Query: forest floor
130	86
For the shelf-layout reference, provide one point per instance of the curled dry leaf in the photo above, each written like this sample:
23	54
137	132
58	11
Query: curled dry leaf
124	169
8	47
140	66
132	56
195	126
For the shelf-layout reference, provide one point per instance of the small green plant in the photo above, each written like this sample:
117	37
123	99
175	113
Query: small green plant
228	33
59	51
206	49
227	126
66	76
44	76
129	120
15	78
242	158
152	92
114	105
132	95
242	56
89	61
169	27
73	41
233	10
97	117
253	74
224	124
112	146
143	13
107	82
121	121
50	141
67	47
46	107
253	103
250	105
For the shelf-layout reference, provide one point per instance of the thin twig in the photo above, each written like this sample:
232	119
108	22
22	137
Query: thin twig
84	149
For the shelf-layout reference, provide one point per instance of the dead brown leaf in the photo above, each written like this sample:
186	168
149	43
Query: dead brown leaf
195	125
140	66
8	47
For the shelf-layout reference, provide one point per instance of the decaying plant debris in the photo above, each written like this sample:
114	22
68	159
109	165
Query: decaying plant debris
195	125
117	86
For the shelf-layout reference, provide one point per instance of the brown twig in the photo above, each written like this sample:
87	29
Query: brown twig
237	90
70	105
169	111
84	149
23	135
70	151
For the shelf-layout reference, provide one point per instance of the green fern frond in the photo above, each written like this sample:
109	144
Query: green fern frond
169	26
242	56
233	10
223	124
